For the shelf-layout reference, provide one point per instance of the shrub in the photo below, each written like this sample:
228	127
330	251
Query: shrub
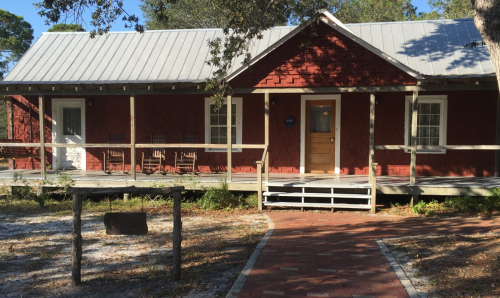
217	198
475	204
433	207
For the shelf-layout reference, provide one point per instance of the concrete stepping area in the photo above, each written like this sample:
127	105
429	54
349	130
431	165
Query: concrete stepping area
335	255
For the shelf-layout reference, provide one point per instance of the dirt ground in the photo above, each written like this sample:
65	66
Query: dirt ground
451	266
35	256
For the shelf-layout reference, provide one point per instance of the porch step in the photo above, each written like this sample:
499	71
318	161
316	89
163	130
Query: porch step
315	195
317	205
316	185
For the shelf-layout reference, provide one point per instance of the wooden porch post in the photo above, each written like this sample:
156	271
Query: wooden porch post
266	134
10	123
371	158
229	139
41	113
132	136
497	138
76	244
414	117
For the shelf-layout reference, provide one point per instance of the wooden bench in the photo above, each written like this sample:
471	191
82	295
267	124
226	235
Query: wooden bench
16	152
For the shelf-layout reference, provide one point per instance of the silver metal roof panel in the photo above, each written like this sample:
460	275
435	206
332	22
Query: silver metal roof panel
432	48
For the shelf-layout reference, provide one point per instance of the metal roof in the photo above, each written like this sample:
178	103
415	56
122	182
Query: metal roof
431	48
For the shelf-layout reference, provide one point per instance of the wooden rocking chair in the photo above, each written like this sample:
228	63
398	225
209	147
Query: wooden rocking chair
156	159
16	152
187	157
114	156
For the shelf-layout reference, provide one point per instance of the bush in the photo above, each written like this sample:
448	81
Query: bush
433	207
220	198
475	204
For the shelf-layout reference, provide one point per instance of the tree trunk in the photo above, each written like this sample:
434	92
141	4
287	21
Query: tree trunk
487	21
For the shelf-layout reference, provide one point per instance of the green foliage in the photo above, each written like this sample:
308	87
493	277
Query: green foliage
15	38
449	9
220	198
66	28
486	204
103	13
182	14
431	208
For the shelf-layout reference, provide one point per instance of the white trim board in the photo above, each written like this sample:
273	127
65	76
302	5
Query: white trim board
443	121
55	151
303	99
239	123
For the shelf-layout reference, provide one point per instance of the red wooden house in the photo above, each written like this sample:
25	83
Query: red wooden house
310	110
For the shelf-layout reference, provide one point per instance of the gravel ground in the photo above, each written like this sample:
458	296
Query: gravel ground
35	256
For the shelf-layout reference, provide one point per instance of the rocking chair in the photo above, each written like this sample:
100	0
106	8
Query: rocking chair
187	157
114	156
156	159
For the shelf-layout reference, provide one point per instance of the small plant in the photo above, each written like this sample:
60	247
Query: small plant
217	198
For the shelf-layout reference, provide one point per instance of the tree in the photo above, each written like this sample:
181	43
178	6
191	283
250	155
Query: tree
15	38
66	28
487	21
449	9
104	13
182	14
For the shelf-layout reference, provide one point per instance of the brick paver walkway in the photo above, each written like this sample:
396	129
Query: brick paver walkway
335	255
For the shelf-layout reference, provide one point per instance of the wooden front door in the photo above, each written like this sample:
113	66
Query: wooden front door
320	136
71	130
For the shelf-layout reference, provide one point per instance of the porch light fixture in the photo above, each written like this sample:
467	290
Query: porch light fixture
377	100
91	102
273	101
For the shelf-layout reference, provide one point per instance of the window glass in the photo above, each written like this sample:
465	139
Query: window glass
320	118
72	122
218	124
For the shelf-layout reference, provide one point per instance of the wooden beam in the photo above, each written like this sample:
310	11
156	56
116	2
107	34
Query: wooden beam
119	190
11	88
76	246
266	134
497	139
177	238
10	123
79	88
371	151
33	88
229	103
56	87
259	185
132	137
413	139
41	112
151	87
103	87
373	192
126	87
445	147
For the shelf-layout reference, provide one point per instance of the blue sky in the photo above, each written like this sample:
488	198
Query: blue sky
26	9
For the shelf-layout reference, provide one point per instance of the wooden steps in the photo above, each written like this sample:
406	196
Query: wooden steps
355	196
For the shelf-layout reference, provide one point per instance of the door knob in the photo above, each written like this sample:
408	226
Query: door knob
332	139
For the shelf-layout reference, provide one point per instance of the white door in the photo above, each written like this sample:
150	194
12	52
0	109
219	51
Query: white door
70	129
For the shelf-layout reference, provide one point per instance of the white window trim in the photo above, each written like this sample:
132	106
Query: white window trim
303	99
55	151
443	100
239	123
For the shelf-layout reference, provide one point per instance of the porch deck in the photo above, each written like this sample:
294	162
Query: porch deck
430	185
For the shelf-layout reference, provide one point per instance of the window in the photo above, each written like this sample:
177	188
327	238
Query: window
431	121
216	123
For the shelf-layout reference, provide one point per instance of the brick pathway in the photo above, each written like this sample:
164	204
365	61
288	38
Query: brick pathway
335	255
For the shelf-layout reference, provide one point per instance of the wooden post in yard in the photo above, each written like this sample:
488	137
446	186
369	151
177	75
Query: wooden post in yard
41	112
413	160
259	184
132	137
229	103
497	139
371	158
266	134
76	234
177	238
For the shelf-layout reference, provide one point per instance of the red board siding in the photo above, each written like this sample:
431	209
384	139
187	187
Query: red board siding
471	121
332	59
